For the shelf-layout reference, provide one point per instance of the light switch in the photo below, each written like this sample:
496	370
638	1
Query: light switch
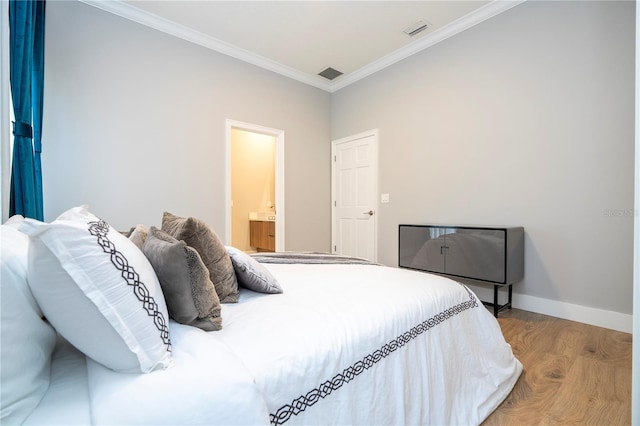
384	198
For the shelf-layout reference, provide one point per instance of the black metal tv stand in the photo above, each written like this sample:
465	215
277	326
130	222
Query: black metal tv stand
495	305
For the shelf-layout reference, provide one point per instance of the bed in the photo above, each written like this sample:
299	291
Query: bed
346	341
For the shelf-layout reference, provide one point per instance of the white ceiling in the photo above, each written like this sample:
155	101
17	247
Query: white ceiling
301	38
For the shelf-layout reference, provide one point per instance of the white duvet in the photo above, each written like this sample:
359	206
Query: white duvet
364	344
344	344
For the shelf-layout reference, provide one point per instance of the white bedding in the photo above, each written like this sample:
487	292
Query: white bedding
207	384
67	400
365	344
344	344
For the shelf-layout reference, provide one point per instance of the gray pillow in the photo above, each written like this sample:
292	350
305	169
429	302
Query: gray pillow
201	237
190	295
251	274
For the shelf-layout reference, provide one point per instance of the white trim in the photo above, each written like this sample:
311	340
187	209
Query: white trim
279	183
5	111
585	314
128	11
461	24
334	144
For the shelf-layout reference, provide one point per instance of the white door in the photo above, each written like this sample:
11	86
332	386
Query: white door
354	189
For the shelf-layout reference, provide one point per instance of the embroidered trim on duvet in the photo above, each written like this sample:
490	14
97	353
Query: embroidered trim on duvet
301	403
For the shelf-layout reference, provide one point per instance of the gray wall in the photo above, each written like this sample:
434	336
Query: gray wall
526	119
135	125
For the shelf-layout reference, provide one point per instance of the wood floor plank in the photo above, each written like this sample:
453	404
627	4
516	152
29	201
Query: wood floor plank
574	373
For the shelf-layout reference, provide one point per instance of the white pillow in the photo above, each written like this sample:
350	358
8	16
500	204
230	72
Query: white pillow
14	221
27	340
99	291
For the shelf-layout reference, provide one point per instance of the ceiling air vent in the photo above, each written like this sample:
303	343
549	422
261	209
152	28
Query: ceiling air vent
416	28
329	73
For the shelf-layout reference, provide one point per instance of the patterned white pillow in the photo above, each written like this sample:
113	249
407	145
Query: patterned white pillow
99	291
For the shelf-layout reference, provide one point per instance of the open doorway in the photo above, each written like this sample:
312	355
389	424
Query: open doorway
253	190
255	187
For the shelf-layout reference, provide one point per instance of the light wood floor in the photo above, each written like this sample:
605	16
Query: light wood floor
574	374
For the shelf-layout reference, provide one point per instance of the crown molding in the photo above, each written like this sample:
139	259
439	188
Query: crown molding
127	11
132	13
471	19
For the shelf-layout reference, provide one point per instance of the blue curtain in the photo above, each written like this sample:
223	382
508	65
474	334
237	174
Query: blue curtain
26	45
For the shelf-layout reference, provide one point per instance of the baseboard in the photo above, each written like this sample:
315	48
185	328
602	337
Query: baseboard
585	314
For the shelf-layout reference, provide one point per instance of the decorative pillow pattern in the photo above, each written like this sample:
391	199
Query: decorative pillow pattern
27	340
190	295
251	274
99	291
201	237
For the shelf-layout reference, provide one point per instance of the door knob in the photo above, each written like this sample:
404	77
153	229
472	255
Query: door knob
370	213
